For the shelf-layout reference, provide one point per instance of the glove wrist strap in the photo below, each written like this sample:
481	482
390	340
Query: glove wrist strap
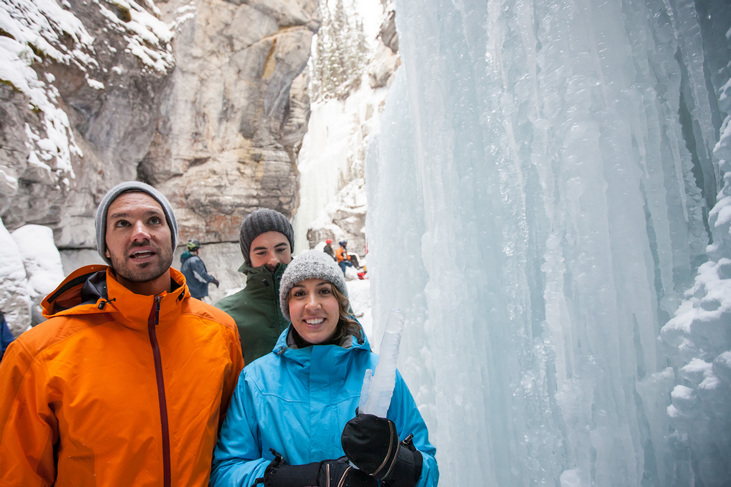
406	469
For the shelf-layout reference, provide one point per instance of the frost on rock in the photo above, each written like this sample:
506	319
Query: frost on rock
15	293
38	30
41	32
41	259
147	37
700	337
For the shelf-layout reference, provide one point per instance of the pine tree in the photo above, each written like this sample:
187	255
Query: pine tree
341	51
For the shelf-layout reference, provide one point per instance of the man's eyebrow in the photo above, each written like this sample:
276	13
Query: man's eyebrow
125	214
282	244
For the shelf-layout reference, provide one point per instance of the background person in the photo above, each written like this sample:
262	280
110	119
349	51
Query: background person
6	336
297	400
328	248
194	270
342	256
267	240
128	380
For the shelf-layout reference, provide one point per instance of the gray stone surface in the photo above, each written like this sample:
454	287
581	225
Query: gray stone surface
210	106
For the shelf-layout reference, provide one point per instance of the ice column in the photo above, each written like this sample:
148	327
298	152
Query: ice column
377	390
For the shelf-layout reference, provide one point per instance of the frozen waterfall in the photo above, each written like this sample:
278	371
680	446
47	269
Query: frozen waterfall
553	167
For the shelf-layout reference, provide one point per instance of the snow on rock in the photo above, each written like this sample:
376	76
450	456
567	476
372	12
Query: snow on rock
30	268
147	37
41	259
343	218
722	367
15	293
8	187
34	31
700	338
37	30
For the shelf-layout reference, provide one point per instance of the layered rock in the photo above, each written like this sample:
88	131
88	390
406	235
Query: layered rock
205	100
232	120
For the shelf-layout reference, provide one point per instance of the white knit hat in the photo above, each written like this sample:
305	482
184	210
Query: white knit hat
313	264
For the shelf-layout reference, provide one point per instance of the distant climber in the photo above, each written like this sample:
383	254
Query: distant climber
194	270
344	258
328	249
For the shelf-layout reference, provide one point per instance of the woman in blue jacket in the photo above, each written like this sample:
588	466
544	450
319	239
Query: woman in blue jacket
292	421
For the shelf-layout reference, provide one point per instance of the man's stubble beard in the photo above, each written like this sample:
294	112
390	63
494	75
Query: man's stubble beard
147	273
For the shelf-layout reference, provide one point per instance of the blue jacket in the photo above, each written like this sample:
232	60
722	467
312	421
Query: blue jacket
5	335
196	275
297	402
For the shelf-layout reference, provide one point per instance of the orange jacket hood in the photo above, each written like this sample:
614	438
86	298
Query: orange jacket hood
94	289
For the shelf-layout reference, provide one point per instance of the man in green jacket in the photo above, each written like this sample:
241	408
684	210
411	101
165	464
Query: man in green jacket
267	241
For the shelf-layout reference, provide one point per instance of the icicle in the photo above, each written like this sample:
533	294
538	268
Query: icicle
376	394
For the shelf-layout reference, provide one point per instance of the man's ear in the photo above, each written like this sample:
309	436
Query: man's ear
106	252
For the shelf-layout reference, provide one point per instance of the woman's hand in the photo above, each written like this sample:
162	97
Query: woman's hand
372	444
322	474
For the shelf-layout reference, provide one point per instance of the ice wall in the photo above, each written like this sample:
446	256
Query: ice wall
538	202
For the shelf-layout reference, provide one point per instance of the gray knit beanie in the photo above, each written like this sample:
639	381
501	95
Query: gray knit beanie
313	264
261	221
130	186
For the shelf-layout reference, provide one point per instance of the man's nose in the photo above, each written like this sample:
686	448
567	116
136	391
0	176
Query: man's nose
140	231
272	262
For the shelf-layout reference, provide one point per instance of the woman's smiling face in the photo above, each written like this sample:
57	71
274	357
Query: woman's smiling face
314	310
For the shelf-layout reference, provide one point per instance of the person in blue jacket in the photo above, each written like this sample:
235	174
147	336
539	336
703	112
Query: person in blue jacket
5	335
196	275
293	422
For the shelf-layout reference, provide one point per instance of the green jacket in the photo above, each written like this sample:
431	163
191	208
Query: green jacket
256	310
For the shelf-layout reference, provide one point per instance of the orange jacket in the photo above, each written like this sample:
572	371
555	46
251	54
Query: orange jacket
116	388
341	254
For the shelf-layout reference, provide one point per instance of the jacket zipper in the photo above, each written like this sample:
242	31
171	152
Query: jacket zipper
151	324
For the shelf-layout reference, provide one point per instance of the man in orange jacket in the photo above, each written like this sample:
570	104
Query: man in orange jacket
344	259
128	380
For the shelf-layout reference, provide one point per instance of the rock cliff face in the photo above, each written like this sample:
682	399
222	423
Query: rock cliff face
205	100
233	116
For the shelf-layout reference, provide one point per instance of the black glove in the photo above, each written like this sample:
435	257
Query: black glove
214	281
326	473
372	444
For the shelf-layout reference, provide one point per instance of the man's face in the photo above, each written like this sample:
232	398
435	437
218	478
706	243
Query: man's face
270	249
139	243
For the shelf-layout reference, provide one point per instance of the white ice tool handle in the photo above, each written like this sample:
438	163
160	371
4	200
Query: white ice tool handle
376	397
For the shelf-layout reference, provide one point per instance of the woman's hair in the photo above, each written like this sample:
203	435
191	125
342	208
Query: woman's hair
346	324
